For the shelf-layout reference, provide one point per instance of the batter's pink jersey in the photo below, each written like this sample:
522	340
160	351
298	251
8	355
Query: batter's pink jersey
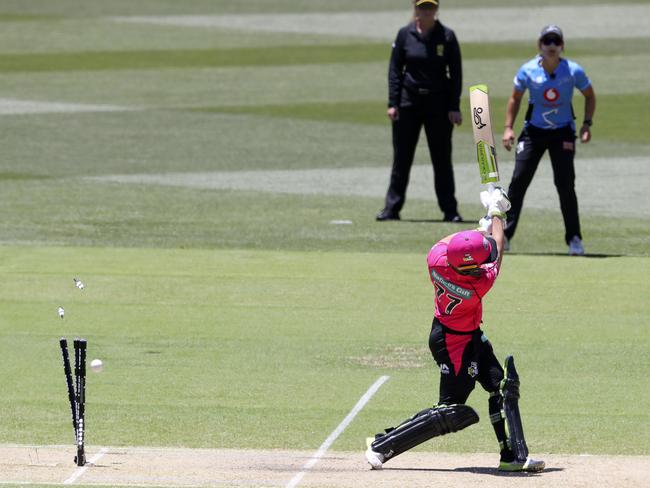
458	297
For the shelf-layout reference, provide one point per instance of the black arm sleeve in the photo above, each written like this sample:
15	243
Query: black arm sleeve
455	74
396	71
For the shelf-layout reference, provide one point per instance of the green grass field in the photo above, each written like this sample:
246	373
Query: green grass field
226	342
189	176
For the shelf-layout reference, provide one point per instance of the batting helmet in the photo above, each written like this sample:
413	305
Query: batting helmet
469	249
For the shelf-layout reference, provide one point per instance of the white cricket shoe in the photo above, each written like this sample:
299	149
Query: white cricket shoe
530	465
375	459
575	247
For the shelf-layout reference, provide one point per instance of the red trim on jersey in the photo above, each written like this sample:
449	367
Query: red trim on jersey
456	344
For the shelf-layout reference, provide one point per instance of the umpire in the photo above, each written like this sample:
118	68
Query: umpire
424	86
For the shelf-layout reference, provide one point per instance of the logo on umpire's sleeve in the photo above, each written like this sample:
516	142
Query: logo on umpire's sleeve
444	369
473	369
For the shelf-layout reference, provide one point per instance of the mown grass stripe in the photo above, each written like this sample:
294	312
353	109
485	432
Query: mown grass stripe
612	121
189	58
369	112
20	176
18	17
283	55
79	8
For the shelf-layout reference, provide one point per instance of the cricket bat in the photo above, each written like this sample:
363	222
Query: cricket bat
483	137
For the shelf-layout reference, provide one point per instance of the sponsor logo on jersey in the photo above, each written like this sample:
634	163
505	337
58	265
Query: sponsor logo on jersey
444	369
473	369
520	146
451	287
551	95
440	49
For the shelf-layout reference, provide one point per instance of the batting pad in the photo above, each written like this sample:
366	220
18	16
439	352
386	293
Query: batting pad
424	425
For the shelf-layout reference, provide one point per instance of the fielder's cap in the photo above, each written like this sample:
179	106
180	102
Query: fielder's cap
551	30
423	2
469	249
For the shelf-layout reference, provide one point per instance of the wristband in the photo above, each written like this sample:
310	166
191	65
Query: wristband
497	213
587	122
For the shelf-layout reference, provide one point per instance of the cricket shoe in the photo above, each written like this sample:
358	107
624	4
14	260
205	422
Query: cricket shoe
375	459
575	247
530	465
385	215
453	217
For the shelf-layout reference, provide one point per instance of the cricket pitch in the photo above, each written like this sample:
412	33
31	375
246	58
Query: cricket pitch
179	467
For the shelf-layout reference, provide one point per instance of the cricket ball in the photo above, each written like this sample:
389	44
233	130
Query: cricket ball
96	365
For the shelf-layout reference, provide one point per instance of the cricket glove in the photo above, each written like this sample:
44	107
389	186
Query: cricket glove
485	225
499	203
499	206
495	212
493	195
486	198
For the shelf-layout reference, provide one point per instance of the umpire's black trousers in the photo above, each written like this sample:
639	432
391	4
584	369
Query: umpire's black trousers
406	131
532	144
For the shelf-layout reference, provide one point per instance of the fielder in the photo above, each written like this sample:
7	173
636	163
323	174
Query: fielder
549	126
463	267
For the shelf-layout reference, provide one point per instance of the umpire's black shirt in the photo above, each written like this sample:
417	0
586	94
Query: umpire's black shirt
426	65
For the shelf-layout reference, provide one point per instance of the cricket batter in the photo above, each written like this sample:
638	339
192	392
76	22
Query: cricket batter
463	268
550	80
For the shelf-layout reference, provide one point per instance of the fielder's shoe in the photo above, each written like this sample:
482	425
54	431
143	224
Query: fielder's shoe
375	459
575	247
530	465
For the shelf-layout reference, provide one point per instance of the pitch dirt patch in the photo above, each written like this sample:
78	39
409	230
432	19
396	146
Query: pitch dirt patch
171	467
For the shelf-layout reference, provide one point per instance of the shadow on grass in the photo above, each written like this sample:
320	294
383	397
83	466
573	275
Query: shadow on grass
434	221
562	254
478	470
565	255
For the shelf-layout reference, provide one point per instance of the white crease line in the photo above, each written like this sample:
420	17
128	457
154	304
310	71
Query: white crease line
75	476
337	432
